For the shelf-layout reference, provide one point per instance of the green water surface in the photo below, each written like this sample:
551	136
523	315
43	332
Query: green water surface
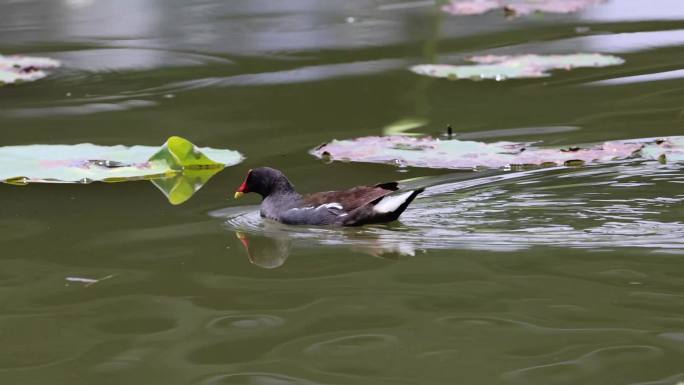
561	276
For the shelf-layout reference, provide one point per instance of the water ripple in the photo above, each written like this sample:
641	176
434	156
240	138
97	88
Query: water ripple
576	208
585	366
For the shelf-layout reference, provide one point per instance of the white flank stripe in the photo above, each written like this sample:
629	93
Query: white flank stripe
333	205
391	203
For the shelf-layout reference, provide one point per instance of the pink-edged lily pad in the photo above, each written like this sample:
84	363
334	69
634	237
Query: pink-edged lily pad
178	167
85	162
17	69
458	154
515	67
517	7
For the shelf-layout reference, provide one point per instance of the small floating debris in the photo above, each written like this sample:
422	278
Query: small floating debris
499	68
19	69
403	126
88	281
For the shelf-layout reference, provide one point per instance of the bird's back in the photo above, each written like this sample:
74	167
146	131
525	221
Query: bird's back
353	207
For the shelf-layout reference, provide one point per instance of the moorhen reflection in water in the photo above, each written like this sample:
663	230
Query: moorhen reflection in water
266	252
271	249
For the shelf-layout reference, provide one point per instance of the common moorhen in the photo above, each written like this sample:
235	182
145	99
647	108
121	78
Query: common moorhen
354	207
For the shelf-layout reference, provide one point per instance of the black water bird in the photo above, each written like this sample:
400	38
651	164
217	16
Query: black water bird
353	207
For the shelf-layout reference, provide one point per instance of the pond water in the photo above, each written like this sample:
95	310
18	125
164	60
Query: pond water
554	276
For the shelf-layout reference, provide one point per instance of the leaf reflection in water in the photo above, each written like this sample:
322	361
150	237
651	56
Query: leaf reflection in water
180	187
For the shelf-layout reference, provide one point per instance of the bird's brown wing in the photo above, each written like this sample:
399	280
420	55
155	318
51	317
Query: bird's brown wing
353	198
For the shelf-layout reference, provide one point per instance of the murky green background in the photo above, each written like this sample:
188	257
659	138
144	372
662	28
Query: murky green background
550	277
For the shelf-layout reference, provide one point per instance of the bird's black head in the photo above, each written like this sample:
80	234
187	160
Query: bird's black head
264	181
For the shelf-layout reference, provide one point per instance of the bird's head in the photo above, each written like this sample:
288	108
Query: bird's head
264	181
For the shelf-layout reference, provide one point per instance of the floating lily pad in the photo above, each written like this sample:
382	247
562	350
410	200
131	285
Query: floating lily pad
17	69
178	167
515	67
85	163
517	7
458	154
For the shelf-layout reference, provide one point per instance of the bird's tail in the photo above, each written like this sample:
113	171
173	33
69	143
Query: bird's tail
390	207
384	209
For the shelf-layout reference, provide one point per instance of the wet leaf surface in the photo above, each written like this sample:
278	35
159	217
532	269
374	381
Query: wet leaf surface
517	7
459	154
515	67
178	168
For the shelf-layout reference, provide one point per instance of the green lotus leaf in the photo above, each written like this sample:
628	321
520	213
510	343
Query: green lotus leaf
515	67
178	167
180	153
460	154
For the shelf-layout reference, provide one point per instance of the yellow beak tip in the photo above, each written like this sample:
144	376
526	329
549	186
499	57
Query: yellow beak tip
239	194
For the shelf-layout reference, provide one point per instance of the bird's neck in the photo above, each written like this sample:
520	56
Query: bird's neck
281	187
284	186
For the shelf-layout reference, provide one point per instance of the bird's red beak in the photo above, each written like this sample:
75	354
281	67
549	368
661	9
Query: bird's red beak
243	189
